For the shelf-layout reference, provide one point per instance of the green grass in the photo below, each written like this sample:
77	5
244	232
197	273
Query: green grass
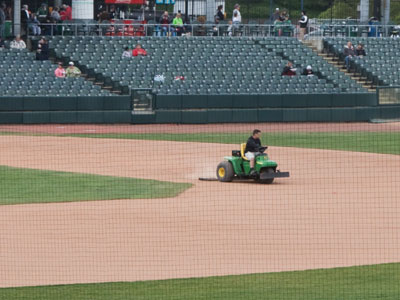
374	142
353	283
21	186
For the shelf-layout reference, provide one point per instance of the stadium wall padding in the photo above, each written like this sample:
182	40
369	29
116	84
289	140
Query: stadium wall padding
264	101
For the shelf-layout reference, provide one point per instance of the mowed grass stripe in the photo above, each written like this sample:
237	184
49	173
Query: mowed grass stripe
374	142
21	186
364	282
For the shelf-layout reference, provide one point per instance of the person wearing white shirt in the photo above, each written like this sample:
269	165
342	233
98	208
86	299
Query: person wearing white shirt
18	43
236	17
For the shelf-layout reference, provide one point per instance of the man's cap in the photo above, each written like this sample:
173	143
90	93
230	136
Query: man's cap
309	68
71	63
277	8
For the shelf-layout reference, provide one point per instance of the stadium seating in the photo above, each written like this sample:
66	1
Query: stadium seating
381	63
22	75
209	65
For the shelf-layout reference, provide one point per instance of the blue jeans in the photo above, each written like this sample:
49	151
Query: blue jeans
347	61
2	30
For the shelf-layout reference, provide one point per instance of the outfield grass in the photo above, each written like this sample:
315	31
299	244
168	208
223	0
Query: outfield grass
374	142
353	283
21	186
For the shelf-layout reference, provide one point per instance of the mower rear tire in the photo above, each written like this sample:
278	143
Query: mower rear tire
225	171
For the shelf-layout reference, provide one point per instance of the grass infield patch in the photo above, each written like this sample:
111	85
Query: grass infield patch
21	186
365	282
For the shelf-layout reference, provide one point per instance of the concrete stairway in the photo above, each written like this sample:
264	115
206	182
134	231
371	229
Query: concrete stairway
334	61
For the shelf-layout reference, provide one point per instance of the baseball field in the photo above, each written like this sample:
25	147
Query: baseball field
118	212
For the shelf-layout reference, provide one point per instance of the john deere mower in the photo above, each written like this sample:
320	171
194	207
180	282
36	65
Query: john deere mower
237	166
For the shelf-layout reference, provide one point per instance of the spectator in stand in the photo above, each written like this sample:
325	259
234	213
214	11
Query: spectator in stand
229	29
139	51
278	26
348	52
42	52
177	22
164	21
112	13
67	13
219	15
288	70
360	50
126	53
55	15
2	45
18	43
25	14
236	18
276	15
60	71
42	12
72	71
303	24
33	25
308	71
287	26
2	20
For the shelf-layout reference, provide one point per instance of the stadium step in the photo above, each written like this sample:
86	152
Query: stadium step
332	60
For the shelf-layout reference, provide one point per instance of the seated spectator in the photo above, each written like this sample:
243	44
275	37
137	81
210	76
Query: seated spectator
229	29
308	71
360	51
288	70
33	25
55	15
139	51
348	53
42	52
178	24
126	53
42	12
60	71
67	13
18	43
164	21
73	71
2	45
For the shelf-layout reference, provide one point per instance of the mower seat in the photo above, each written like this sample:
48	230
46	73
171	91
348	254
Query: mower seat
242	148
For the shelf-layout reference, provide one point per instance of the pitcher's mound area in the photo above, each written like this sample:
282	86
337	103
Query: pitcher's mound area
336	209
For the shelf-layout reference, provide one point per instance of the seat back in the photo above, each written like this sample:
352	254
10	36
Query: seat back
242	148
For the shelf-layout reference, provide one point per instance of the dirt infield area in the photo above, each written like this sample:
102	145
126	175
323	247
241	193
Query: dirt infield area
337	209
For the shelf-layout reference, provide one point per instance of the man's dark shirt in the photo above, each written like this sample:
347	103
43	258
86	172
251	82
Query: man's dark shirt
360	52
252	145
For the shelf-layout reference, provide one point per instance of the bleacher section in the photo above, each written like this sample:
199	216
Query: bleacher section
210	65
381	64
226	79
22	75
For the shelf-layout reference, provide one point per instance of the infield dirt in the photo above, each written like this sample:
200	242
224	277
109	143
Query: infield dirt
336	209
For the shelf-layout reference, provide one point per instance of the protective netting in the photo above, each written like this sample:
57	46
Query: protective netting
118	212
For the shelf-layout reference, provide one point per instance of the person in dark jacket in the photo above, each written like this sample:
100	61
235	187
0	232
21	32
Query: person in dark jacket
164	22
219	15
253	146
360	50
308	71
288	70
348	52
42	52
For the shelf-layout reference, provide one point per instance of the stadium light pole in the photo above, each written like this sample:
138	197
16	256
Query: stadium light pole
186	10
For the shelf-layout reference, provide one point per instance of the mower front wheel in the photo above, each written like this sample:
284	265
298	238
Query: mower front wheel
269	171
225	171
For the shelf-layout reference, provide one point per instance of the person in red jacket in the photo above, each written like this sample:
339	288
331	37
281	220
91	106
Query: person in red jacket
139	51
66	14
289	70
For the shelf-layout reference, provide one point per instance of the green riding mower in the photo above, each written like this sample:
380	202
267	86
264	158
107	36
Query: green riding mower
237	167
